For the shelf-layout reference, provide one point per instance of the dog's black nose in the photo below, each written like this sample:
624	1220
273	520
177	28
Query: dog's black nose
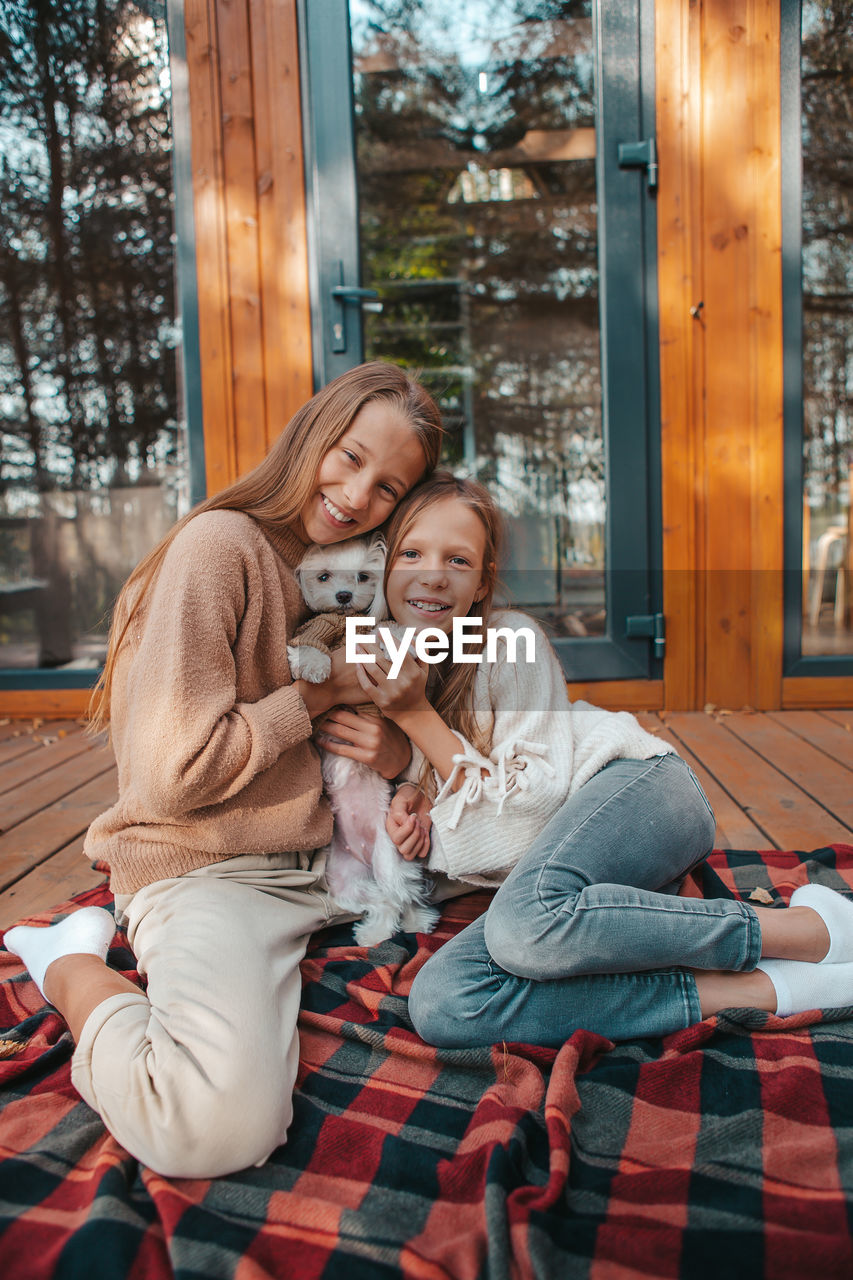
343	597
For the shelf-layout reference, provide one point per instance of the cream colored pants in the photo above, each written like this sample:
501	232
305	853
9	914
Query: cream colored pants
195	1079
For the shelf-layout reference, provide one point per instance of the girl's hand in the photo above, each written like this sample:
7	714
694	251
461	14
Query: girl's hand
343	681
408	822
402	695
368	738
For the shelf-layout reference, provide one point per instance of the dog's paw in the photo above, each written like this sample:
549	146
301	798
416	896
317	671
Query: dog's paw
308	664
419	919
375	927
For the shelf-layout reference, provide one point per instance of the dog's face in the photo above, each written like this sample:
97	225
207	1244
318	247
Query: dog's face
345	577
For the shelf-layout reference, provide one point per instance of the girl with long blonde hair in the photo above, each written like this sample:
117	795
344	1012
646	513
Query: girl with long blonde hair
215	844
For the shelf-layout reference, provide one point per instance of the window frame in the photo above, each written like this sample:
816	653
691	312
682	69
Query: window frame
794	663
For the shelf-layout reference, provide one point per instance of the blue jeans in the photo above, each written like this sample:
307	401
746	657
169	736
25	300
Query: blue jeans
587	930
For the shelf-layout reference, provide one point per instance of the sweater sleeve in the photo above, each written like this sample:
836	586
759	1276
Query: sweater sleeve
507	796
190	742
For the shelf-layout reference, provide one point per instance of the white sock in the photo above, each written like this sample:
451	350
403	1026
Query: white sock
836	912
88	931
800	985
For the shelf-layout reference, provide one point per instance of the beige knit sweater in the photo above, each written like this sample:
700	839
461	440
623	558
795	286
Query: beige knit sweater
211	739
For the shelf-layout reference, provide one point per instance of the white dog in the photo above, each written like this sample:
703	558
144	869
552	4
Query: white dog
365	873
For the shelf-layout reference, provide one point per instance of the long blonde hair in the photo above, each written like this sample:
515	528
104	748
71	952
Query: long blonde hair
454	698
275	492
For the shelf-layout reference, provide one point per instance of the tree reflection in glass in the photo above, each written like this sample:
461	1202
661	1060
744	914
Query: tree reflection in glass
827	282
475	134
93	453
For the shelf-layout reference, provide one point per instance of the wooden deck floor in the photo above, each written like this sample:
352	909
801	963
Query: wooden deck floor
775	780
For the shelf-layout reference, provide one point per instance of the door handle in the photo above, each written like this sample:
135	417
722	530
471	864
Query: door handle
640	155
351	292
341	295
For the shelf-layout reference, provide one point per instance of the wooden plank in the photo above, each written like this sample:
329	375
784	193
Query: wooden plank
817	691
741	465
13	748
788	817
618	695
26	738
734	829
826	781
844	718
55	880
823	731
241	228
52	786
10	728
679	209
725	316
282	222
24	768
210	243
23	704
762	98
42	834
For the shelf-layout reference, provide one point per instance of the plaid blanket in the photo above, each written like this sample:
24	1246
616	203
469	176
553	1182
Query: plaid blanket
723	1150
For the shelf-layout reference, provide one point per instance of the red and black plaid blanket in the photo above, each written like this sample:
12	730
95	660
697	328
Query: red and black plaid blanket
724	1150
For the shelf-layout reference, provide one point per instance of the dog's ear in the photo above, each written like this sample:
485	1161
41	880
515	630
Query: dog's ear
378	609
376	562
375	553
304	565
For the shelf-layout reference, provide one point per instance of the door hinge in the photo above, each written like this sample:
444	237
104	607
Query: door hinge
649	625
640	155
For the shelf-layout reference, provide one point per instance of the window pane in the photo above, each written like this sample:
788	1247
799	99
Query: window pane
94	462
476	141
827	277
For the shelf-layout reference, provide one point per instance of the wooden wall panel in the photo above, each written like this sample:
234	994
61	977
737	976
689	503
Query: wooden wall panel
720	289
725	230
59	704
619	695
817	691
251	245
767	389
281	213
236	70
677	72
210	241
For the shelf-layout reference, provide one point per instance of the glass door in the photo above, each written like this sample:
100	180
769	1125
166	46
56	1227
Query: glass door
481	180
818	309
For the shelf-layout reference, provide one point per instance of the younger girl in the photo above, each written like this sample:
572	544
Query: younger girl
590	823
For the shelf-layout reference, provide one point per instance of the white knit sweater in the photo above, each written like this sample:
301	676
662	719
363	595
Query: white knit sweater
544	748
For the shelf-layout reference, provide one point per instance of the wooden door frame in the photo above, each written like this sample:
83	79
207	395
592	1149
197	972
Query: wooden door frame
718	79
